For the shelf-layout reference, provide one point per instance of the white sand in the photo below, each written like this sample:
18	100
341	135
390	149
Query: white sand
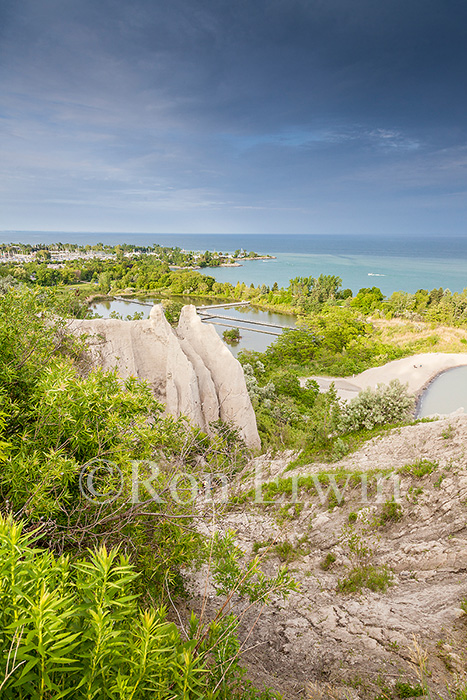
416	371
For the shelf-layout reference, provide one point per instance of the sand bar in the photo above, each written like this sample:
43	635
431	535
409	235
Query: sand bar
417	371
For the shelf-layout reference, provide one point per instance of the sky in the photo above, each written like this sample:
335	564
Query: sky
234	116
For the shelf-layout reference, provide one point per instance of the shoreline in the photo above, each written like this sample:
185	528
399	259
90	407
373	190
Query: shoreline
417	371
259	257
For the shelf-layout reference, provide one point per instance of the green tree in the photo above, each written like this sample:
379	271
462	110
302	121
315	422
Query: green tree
104	282
368	299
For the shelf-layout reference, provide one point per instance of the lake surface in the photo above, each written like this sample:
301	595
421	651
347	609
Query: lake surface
388	262
251	339
389	273
445	394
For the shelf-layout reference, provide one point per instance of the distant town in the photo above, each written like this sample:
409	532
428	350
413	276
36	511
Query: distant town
57	254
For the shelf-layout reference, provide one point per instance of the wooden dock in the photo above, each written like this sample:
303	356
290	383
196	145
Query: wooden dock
210	318
244	320
223	306
242	328
130	300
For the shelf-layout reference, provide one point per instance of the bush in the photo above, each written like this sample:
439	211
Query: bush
390	513
286	383
386	404
258	394
77	628
376	578
328	561
231	336
65	429
172	310
292	346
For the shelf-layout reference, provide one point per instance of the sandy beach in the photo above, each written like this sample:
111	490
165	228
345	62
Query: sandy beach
416	371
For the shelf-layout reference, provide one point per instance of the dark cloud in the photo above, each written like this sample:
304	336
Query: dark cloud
217	105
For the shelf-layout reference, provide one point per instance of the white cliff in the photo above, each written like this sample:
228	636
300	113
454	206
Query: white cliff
188	368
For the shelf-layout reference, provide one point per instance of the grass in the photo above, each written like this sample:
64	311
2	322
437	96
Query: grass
285	551
419	469
303	488
405	690
342	445
328	561
391	512
402	332
375	578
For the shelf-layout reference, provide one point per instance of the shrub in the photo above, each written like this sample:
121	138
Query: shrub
77	628
293	346
232	335
390	513
386	404
256	392
376	578
172	310
65	429
340	449
286	383
328	561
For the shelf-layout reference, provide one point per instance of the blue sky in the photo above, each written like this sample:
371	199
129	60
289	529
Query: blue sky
248	116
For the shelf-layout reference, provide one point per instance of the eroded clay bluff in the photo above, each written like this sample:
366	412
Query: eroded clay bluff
189	368
331	640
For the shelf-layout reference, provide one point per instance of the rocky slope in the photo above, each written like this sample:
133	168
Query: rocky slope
327	639
189	368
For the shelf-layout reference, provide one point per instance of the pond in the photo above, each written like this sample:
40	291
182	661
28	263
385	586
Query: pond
446	393
251	336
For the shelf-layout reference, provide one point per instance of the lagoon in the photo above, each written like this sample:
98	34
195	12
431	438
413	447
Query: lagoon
251	337
445	394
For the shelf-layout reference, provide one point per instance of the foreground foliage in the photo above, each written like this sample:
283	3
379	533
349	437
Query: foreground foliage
107	489
62	423
77	629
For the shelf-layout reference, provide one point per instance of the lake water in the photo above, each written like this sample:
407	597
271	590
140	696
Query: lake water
445	394
389	273
251	338
390	263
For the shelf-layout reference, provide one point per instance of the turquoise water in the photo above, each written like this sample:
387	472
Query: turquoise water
445	394
394	263
251	339
356	271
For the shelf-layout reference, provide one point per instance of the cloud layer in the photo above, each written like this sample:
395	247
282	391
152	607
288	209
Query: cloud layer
323	116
